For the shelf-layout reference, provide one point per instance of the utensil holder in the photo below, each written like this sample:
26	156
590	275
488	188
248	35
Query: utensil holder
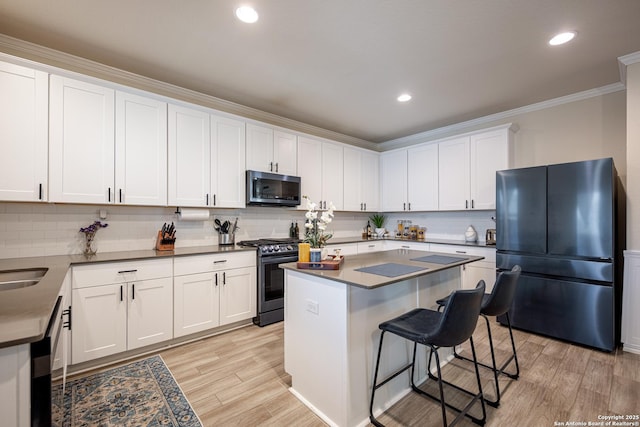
226	239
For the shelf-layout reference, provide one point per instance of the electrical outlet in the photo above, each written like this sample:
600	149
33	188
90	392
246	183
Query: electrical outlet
312	306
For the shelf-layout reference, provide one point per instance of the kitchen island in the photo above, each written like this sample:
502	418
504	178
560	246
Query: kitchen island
331	327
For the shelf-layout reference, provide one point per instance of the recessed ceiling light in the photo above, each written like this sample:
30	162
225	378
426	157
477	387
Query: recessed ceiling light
562	38
247	14
404	97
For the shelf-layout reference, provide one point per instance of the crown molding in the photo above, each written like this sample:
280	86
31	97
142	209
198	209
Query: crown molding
51	60
624	62
458	128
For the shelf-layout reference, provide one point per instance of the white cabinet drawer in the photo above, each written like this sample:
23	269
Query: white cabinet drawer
213	262
118	272
414	246
489	254
345	248
376	246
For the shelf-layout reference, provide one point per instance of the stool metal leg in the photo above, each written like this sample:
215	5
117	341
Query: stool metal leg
497	371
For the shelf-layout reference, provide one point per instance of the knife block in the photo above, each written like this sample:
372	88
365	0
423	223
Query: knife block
164	244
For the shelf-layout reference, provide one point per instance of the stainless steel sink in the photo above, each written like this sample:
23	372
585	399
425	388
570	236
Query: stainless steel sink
15	279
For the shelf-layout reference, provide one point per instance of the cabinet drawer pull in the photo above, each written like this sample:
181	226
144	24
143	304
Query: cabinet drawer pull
127	271
220	261
461	252
405	247
372	246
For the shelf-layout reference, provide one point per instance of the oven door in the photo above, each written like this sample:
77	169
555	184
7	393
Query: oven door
271	282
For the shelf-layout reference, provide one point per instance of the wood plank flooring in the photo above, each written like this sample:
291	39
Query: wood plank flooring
238	379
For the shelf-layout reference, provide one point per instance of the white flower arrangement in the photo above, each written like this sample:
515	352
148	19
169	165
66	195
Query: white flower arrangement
316	227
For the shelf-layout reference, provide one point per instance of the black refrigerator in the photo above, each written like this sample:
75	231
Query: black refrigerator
561	224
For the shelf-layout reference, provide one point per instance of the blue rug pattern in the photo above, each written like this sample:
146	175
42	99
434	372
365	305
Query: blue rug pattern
141	393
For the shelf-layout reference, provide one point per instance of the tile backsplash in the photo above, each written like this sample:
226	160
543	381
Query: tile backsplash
39	229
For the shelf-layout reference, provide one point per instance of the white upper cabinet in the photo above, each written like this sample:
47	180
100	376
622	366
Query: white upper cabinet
81	142
310	171
453	174
410	179
206	159
189	157
23	133
332	175
468	165
271	151
141	150
321	172
285	152
361	184
227	162
422	178
393	178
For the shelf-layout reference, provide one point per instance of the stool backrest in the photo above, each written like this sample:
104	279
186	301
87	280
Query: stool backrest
459	317
499	302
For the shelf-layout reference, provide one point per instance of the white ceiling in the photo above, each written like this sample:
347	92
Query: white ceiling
340	64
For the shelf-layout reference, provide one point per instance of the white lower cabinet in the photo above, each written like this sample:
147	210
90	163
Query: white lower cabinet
474	272
345	249
120	306
409	245
630	334
213	290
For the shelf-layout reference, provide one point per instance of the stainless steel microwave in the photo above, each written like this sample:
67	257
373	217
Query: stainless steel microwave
272	189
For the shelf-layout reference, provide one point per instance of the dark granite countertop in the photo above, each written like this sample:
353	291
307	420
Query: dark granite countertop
25	312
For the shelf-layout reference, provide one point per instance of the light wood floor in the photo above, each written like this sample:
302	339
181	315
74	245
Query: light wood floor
238	379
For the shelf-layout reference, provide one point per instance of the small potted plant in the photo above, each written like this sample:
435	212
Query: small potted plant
378	223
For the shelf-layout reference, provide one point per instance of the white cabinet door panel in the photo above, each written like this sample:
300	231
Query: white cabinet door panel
489	153
393	179
141	150
422	178
150	312
227	162
189	157
370	182
23	133
353	198
332	178
237	295
453	174
99	322
196	303
260	148
310	169
285	150
81	142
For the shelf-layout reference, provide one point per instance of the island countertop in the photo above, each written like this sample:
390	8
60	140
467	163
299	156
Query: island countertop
349	274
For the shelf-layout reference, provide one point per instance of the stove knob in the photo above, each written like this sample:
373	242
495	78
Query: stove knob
271	248
276	248
264	249
289	247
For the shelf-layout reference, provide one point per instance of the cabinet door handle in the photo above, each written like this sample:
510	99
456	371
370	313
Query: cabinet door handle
360	206
270	166
133	291
404	206
220	261
472	204
121	295
409	206
67	313
128	271
276	167
109	195
214	200
216	279
466	204
120	194
224	277
206	198
365	206
40	191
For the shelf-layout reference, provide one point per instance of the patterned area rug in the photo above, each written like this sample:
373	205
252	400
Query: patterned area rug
141	393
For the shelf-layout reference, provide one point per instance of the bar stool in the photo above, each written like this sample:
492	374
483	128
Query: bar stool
497	303
435	329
